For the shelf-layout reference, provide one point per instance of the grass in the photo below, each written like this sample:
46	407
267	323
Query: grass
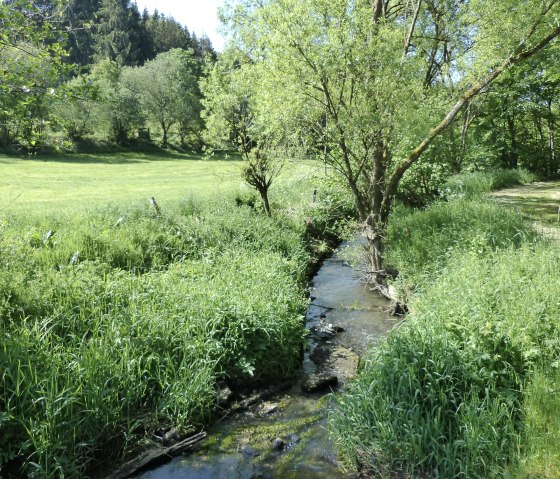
468	385
423	241
55	182
475	184
114	329
538	202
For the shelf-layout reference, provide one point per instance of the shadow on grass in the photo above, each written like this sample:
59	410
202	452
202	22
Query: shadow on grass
126	156
536	208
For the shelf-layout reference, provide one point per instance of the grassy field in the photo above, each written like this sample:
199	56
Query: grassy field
55	182
112	330
538	201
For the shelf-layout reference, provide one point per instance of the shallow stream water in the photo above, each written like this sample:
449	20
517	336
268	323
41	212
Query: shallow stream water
246	446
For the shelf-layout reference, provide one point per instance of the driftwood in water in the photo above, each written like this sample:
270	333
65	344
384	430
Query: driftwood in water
156	457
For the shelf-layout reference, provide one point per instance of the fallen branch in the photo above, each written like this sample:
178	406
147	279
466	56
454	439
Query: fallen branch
156	457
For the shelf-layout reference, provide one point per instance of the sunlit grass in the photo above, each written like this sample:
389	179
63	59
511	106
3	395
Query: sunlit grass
116	321
467	386
69	182
536	202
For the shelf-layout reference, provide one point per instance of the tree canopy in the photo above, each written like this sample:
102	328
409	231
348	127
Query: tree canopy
371	84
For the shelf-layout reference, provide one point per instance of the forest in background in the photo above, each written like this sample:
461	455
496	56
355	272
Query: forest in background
79	74
97	70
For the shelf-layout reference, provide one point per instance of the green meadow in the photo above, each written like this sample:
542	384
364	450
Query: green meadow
55	182
117	321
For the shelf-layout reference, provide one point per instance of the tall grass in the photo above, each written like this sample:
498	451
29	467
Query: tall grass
450	393
540	456
120	322
422	242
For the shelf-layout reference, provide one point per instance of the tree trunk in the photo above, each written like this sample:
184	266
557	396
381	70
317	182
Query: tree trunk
375	224
512	158
553	167
164	127
264	196
375	231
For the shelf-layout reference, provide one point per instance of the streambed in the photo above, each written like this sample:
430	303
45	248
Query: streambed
287	437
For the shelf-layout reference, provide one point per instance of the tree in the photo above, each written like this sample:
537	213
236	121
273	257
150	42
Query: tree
120	33
372	84
116	108
233	118
75	106
31	65
167	89
78	17
167	33
516	125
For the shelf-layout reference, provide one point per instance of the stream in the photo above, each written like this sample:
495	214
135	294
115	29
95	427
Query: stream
287	437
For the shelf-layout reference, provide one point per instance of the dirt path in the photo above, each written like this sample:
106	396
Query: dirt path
539	202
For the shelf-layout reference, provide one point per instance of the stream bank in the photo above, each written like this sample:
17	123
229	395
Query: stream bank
286	436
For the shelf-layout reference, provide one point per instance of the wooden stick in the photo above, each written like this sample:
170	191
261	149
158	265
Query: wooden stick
156	457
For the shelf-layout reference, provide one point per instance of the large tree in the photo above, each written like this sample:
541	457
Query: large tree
167	88
370	84
121	33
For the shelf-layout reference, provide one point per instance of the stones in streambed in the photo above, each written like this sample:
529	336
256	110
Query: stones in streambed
325	331
314	383
170	436
319	355
343	362
277	444
269	408
293	439
225	394
250	452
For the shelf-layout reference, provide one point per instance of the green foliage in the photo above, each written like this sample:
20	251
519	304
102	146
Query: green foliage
168	92
30	68
465	386
444	394
116	109
540	456
515	127
112	329
423	242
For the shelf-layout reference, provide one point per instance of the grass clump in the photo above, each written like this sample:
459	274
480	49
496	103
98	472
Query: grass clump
114	328
422	242
541	453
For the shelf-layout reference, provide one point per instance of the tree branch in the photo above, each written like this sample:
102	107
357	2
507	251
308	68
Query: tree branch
516	57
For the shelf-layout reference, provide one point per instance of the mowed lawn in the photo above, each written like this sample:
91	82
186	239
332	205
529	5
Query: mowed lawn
77	181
